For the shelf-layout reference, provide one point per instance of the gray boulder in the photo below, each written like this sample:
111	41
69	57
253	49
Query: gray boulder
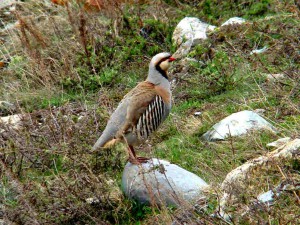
161	183
237	124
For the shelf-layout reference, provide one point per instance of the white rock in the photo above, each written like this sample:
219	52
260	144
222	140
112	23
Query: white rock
81	117
266	197
237	124
234	20
241	173
160	182
280	142
14	121
259	51
5	3
289	150
191	28
238	178
92	200
183	50
286	185
275	76
197	113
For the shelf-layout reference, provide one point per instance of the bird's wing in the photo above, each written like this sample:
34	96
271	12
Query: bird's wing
146	110
127	113
142	110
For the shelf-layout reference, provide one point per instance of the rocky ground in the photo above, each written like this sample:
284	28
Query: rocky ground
231	141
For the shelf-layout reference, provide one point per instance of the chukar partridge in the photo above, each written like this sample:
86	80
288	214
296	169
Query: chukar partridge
141	111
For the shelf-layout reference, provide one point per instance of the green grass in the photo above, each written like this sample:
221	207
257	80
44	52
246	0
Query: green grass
73	92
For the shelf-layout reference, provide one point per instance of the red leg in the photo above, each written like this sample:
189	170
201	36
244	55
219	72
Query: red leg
132	156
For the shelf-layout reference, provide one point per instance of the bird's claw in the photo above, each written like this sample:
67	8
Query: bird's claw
138	160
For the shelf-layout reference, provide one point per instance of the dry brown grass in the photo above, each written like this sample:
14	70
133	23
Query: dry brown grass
47	169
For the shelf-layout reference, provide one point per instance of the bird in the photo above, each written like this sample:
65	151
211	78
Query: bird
141	111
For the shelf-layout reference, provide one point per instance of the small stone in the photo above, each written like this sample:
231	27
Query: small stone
266	197
286	185
259	51
81	117
160	182
197	113
14	121
92	201
275	77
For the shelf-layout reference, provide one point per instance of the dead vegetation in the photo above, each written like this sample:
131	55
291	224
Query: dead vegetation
67	70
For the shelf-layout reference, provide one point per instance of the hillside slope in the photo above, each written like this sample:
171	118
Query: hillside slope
65	70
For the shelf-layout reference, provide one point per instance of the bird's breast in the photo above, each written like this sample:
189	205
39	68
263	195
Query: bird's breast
165	94
153	116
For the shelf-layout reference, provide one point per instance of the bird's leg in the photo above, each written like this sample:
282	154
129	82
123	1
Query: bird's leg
131	152
132	156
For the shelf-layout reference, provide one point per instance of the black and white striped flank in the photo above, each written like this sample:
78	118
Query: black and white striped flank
151	118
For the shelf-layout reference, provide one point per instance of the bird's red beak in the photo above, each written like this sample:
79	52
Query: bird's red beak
171	59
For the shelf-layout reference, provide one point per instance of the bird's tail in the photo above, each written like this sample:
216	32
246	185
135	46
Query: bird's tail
111	143
108	144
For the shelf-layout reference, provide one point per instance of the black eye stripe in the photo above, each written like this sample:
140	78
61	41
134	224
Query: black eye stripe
163	59
157	66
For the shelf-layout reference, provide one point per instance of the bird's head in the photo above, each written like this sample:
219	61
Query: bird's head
160	64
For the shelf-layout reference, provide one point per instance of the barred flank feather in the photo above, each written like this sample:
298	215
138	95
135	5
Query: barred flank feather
151	118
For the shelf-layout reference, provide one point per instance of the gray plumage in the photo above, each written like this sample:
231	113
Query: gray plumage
143	109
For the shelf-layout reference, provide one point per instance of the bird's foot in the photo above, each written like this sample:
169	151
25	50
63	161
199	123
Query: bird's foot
138	160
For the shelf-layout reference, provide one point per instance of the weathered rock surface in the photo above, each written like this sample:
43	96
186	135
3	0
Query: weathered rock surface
275	77
259	51
13	121
183	50
191	28
160	182
280	142
237	124
237	179
5	3
234	20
